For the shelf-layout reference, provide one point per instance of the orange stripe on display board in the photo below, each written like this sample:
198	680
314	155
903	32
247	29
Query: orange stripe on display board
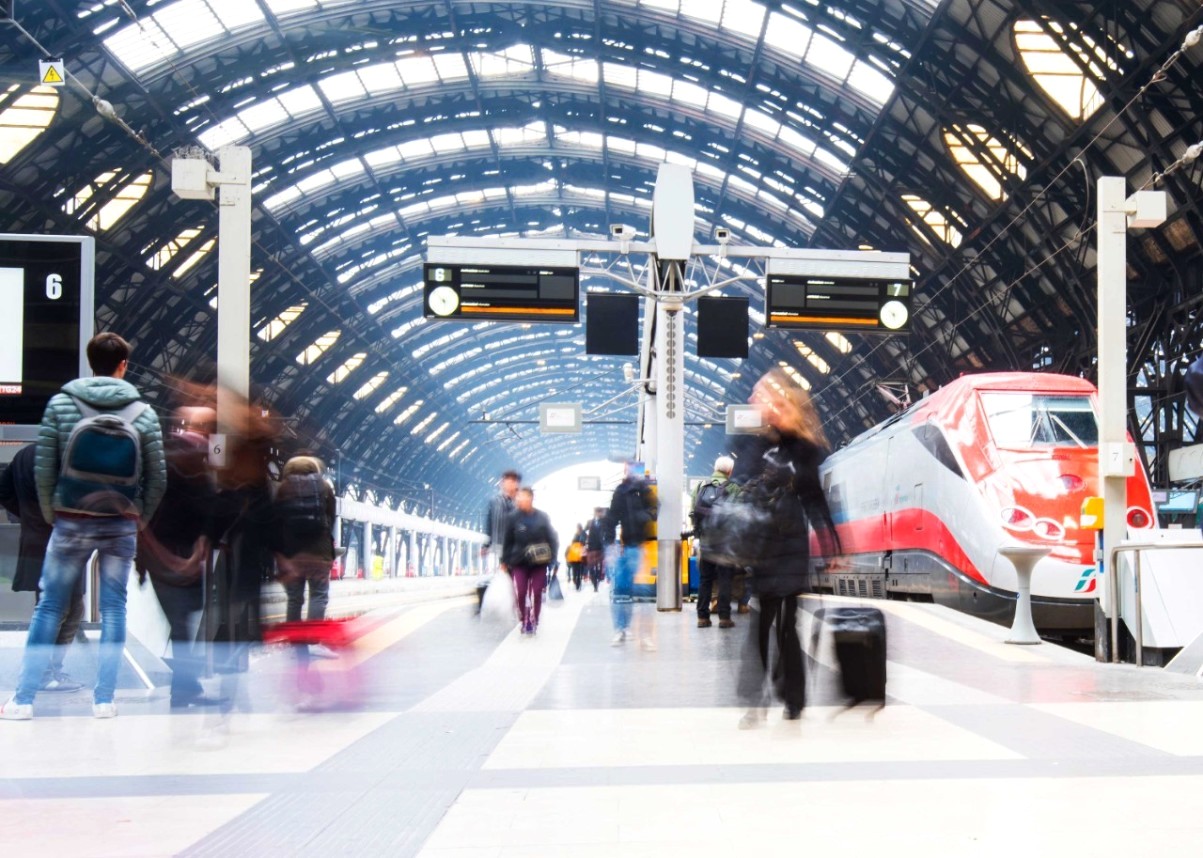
531	311
823	320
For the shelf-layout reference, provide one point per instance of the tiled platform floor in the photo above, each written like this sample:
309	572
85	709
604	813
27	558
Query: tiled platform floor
467	740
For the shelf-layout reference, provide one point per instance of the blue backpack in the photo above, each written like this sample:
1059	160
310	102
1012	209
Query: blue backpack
102	462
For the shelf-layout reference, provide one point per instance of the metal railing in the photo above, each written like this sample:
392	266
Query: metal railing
1113	583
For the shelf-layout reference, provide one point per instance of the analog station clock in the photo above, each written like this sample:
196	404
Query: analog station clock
894	314
443	301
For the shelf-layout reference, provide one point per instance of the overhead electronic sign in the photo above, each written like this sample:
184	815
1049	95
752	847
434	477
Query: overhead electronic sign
46	292
506	293
864	305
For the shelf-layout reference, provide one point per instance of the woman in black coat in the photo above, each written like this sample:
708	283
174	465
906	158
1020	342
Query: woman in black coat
782	463
529	546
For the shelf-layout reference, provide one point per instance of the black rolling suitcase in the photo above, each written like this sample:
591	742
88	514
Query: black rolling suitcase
859	635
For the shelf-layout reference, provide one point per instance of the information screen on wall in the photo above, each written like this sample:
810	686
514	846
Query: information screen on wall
46	296
506	293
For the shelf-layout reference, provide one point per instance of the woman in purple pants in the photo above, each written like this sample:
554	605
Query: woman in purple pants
529	547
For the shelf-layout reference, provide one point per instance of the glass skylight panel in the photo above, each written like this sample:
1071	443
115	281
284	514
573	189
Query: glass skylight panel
24	117
380	78
391	400
934	218
140	46
829	57
370	386
286	7
448	441
188	23
348	366
435	433
167	251
517	59
724	106
125	199
448	66
673	6
759	121
318	348
743	16
987	174
815	361
411	149
841	343
421	425
831	160
445	143
795	375
871	83
1057	73
277	325
341	87
231	130
408	412
787	34
263	115
690	93
300	100
193	260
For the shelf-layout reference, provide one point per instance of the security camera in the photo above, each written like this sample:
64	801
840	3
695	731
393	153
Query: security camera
622	232
722	235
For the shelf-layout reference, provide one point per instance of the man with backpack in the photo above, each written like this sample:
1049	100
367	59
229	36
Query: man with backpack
704	498
100	473
633	509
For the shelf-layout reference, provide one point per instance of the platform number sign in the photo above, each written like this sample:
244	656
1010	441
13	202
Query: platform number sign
46	287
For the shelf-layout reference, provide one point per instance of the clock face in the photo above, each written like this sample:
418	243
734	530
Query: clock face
894	314
443	301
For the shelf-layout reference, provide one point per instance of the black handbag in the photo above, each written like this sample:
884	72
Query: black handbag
538	554
743	528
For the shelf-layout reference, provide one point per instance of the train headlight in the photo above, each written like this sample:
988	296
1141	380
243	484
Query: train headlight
1072	482
1018	518
1046	528
1138	519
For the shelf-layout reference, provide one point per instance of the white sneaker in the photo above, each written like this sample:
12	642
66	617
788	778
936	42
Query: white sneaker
104	710
618	638
14	711
755	717
321	651
648	645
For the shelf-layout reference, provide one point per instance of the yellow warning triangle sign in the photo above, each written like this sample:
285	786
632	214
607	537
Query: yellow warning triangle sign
52	76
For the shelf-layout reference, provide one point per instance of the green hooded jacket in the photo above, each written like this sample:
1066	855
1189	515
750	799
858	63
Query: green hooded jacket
105	394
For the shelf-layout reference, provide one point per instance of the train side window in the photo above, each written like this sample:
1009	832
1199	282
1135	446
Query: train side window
934	442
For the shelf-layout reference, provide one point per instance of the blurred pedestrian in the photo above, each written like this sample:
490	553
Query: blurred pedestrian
496	515
574	555
597	536
19	495
100	474
174	549
632	510
711	572
304	536
529	547
781	467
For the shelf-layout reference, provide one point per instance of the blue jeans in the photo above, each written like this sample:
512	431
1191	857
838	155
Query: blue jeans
623	584
71	545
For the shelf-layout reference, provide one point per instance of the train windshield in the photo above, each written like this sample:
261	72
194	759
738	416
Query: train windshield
1026	420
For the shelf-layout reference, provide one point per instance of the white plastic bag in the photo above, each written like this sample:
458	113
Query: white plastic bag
499	604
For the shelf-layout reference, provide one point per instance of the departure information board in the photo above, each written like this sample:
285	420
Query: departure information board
507	293
838	303
46	313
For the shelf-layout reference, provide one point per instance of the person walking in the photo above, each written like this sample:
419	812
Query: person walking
597	536
100	473
575	557
19	495
529	546
632	510
781	466
496	515
711	572
304	536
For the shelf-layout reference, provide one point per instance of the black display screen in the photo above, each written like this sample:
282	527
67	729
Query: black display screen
41	304
508	293
838	303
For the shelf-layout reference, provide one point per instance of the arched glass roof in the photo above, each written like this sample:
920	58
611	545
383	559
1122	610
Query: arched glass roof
894	124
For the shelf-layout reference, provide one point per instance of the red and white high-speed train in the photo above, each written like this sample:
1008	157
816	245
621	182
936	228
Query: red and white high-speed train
924	501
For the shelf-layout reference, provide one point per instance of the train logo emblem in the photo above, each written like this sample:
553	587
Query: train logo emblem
1087	582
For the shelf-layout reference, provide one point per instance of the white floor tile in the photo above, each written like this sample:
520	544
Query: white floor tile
1173	726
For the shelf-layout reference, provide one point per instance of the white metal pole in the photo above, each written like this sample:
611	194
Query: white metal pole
670	447
1113	366
233	287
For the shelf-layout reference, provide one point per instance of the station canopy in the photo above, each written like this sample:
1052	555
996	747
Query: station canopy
895	125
